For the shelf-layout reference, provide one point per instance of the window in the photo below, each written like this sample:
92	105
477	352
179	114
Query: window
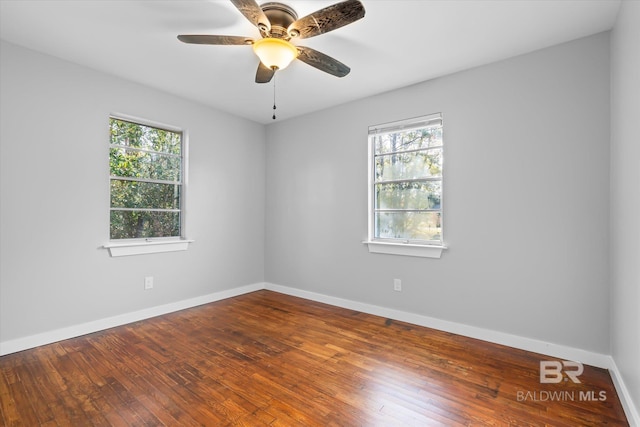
405	187
146	163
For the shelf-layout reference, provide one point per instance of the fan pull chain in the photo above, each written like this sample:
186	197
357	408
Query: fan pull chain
274	97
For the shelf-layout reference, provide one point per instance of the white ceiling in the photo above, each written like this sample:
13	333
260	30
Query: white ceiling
397	43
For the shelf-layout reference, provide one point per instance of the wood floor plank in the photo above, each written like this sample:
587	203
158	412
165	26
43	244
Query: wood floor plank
267	359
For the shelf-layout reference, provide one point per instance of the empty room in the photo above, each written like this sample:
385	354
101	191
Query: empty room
320	213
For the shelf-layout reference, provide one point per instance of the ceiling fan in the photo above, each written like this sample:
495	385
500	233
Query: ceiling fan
278	24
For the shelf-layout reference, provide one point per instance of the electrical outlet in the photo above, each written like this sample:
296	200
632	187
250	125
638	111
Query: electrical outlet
397	285
148	283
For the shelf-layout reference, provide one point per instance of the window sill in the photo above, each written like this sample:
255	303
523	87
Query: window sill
146	247
405	249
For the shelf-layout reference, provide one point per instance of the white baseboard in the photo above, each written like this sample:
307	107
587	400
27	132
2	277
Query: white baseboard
528	344
13	346
623	393
555	350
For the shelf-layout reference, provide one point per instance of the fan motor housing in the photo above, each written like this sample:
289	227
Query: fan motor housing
280	16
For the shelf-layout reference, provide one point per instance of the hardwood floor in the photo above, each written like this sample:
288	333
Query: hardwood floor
270	359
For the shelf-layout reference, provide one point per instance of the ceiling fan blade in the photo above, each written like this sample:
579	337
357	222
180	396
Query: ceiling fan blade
327	19
322	62
217	40
253	12
264	74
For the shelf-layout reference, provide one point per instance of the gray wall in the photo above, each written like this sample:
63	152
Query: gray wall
526	199
625	195
55	198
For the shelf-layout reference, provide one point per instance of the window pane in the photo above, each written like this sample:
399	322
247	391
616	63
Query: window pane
142	224
408	225
149	138
135	194
409	195
411	140
417	164
138	164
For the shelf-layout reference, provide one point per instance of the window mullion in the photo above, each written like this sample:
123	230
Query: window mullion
405	210
399	181
415	150
149	180
144	150
144	209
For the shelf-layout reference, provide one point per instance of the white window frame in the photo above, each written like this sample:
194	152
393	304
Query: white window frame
138	246
417	248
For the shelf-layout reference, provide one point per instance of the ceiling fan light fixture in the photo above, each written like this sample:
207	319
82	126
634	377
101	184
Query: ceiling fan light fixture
275	53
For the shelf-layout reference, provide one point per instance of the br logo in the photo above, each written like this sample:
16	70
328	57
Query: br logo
552	371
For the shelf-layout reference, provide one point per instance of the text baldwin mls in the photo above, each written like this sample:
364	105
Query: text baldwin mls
563	395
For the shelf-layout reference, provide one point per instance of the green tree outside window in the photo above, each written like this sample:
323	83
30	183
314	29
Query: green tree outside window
146	182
